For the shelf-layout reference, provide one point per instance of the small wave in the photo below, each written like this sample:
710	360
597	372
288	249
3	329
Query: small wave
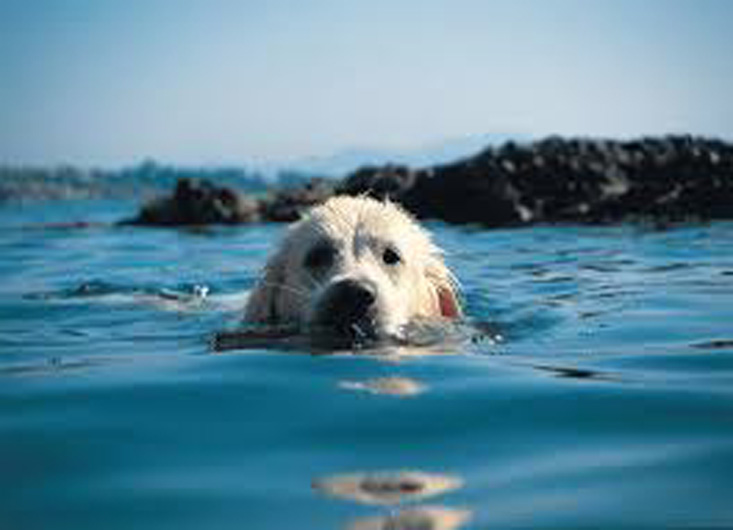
181	298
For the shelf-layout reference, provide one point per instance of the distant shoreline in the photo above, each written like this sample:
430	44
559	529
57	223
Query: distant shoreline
575	180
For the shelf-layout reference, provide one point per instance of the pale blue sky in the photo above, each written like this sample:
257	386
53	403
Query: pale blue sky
105	82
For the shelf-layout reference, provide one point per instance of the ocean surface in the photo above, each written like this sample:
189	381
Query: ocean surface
597	391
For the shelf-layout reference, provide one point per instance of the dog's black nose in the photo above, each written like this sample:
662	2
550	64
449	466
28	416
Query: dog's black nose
349	309
352	299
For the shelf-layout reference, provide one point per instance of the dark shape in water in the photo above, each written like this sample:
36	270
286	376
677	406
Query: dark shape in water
716	344
573	372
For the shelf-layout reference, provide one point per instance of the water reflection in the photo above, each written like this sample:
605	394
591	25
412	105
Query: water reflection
387	487
390	489
421	517
390	386
394	489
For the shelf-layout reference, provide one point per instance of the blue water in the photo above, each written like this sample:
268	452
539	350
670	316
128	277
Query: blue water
601	397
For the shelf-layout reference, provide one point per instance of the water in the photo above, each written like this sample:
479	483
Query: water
607	402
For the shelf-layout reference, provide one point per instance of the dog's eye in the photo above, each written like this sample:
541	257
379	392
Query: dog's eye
320	257
391	257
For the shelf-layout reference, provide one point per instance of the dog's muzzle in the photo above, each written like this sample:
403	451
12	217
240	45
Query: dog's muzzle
348	308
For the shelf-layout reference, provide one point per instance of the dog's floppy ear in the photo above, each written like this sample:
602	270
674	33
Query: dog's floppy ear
262	304
446	290
449	305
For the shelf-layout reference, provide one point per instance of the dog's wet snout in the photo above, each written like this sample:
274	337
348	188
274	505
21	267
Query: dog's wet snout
351	299
349	308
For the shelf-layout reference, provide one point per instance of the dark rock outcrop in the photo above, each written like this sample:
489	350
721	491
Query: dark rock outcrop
675	178
288	205
198	203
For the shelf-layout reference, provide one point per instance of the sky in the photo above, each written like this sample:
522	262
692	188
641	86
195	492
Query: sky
200	82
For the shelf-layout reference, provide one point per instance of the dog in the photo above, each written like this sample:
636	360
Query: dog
355	267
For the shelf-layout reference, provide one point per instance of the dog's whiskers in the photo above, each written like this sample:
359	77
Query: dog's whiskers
289	288
311	280
358	332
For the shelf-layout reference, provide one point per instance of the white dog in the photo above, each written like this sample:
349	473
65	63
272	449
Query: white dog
356	267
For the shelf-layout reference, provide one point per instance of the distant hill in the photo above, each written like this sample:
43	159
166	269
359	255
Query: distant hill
344	162
144	180
150	178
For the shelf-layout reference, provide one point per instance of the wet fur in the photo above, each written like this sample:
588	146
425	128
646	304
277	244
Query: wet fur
360	229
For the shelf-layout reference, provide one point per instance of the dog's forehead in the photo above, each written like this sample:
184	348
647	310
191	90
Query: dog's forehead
366	220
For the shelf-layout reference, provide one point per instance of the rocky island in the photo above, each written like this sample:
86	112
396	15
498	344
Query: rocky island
555	180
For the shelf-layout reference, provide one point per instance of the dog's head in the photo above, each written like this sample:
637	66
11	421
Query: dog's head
357	267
